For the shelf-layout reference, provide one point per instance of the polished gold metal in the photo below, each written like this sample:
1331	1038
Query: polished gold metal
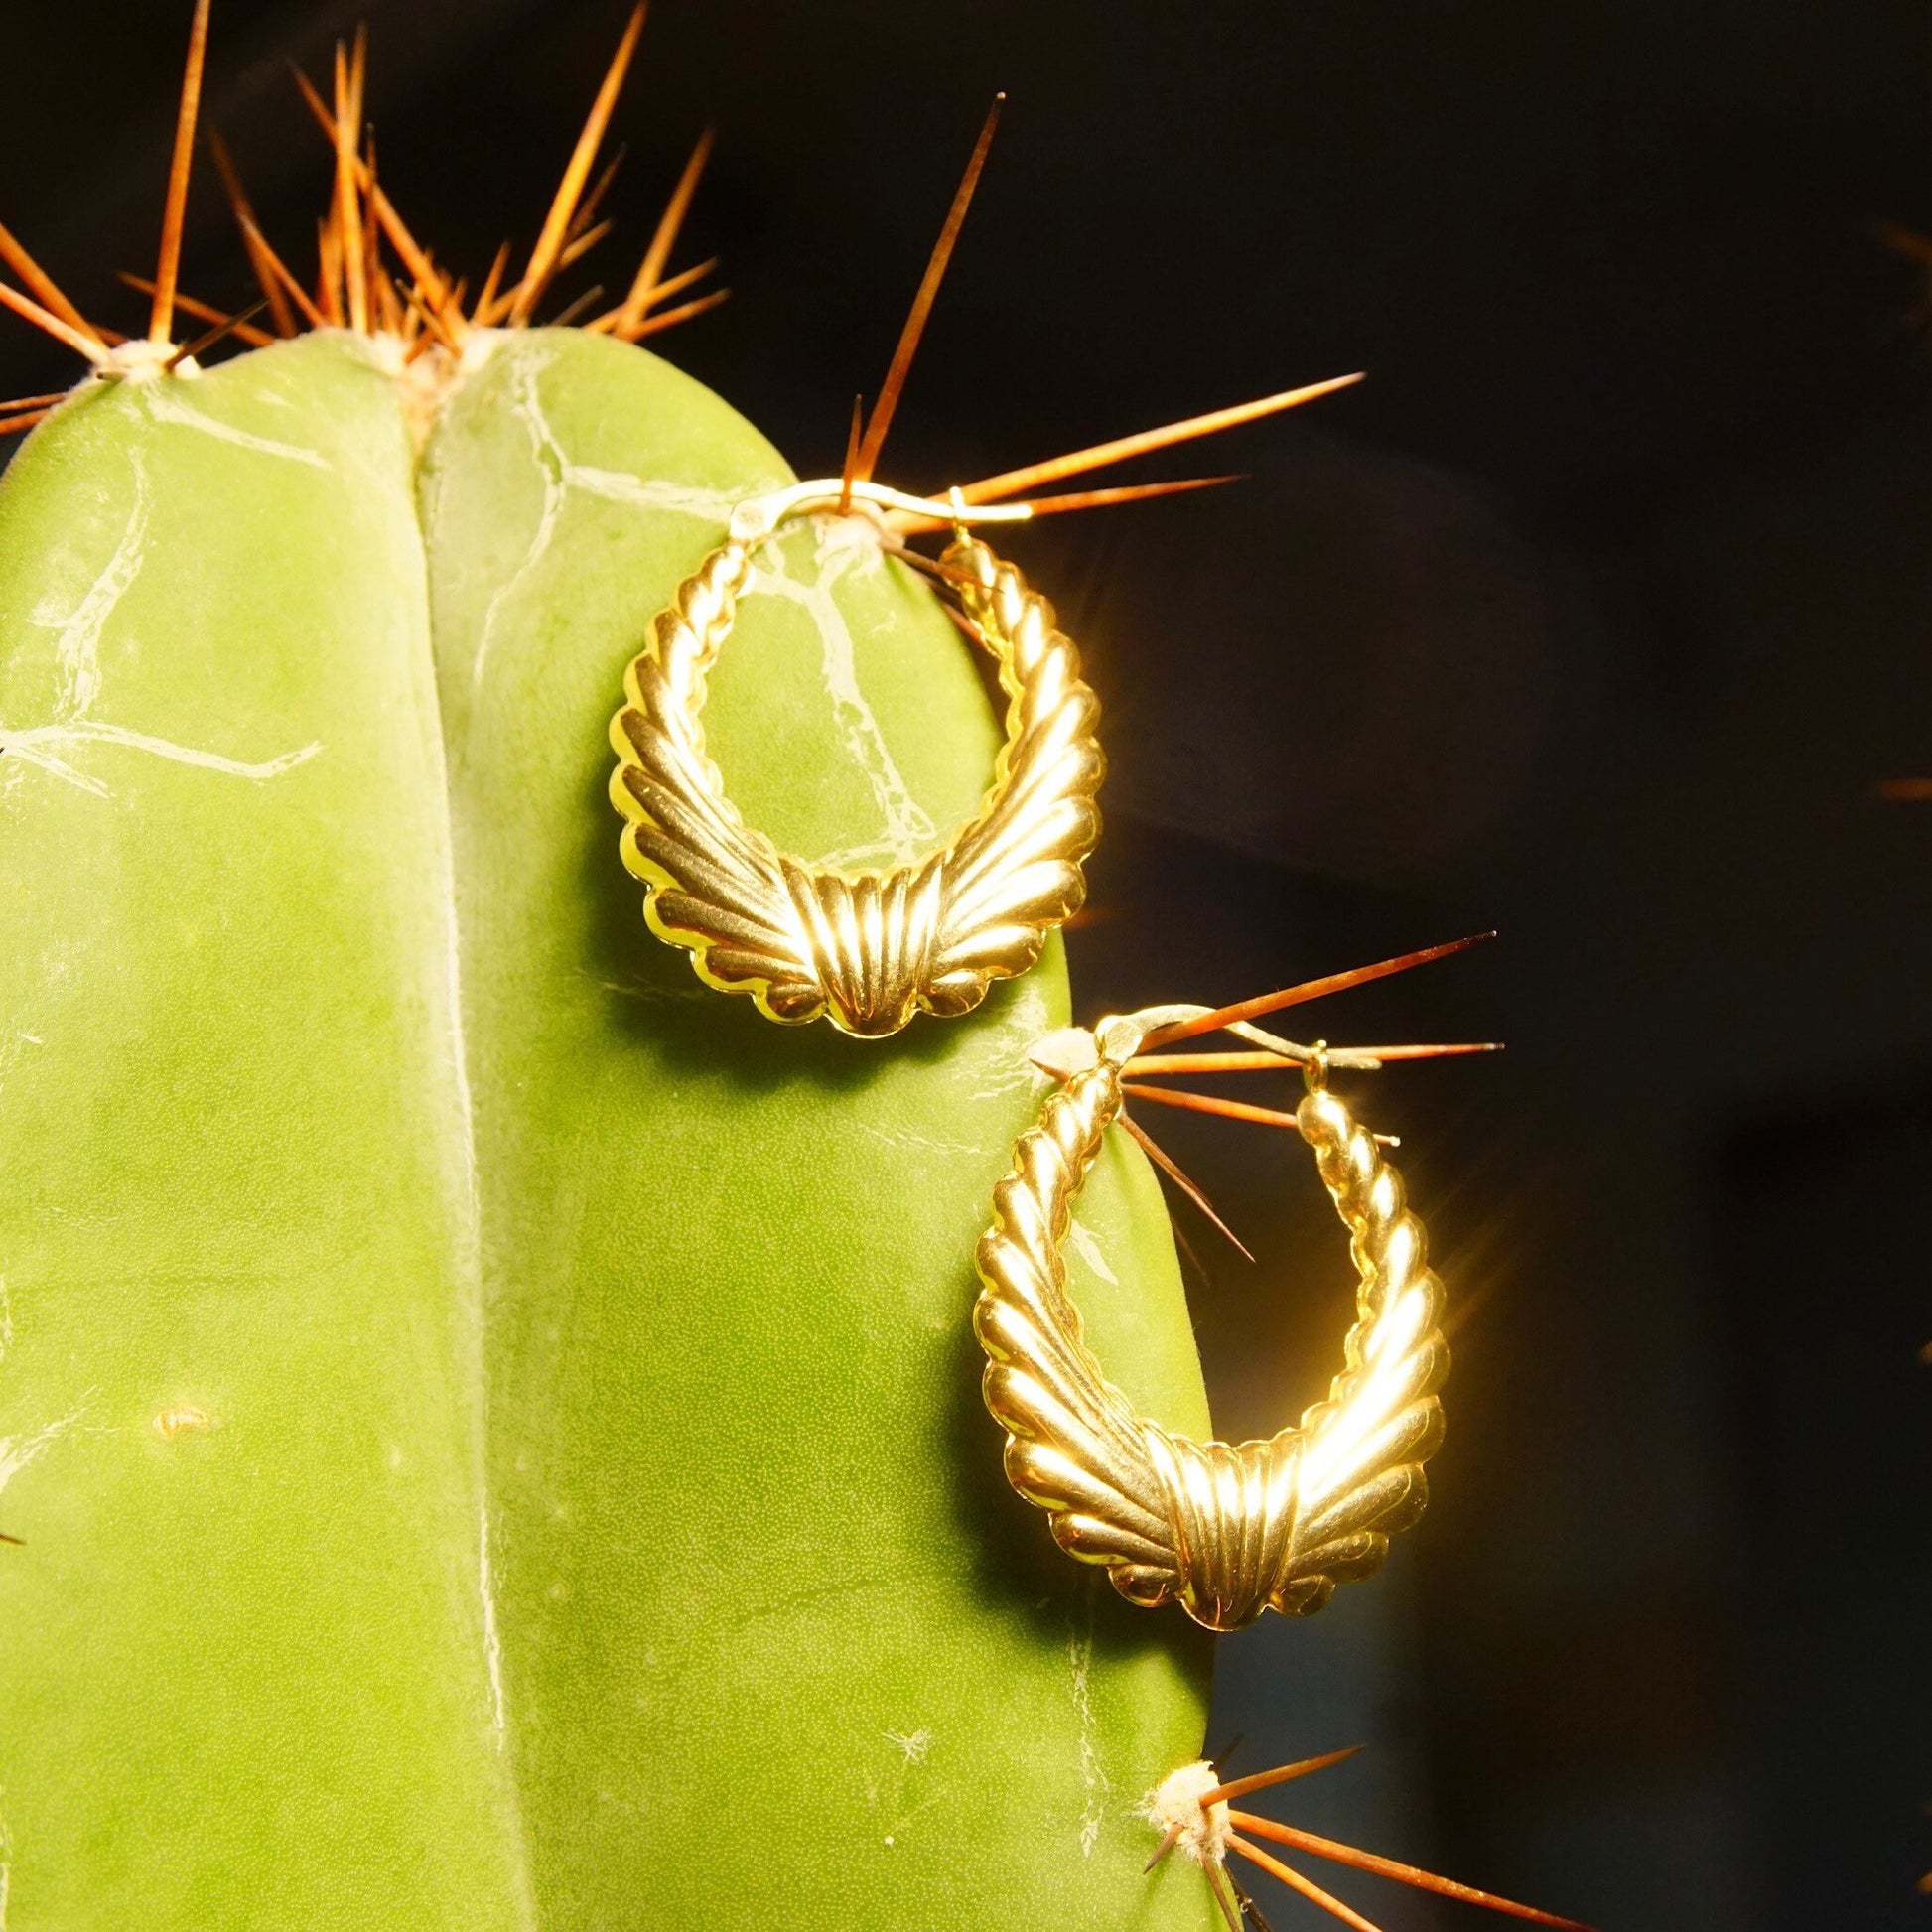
865	949
1227	1531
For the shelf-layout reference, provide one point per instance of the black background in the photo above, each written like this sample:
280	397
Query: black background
1595	614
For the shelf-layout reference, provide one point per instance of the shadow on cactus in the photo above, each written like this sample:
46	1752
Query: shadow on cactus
492	1427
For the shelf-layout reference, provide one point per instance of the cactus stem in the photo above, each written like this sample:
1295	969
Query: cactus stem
926	295
646	289
543	259
1292	996
44	286
1408	1875
161	322
1178	1175
16	425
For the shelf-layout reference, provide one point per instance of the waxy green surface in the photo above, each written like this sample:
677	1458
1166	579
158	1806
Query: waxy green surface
594	1522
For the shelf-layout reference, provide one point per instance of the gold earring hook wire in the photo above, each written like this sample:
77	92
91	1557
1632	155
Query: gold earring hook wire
759	517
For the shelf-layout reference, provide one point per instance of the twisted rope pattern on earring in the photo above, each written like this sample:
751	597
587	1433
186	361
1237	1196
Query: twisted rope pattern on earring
870	948
1227	1531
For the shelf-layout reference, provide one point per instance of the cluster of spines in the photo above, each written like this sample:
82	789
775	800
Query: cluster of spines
1206	1823
373	276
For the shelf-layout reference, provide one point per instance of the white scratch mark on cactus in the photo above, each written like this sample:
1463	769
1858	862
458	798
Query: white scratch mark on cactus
1080	1656
17	1453
1009	1067
561	475
48	762
165	405
9	1059
659	494
28	747
906	828
526	406
76	659
6	1320
1087	1247
493	1640
633	990
76	649
458	1039
844	546
913	1747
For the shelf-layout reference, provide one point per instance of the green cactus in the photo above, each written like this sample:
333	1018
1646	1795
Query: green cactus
491	1432
494	1426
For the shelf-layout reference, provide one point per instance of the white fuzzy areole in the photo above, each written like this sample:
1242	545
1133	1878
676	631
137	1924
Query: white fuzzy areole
1063	1053
1174	1807
142	360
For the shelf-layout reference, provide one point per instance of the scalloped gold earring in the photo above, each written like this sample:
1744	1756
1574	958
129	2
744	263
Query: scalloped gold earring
865	949
1227	1531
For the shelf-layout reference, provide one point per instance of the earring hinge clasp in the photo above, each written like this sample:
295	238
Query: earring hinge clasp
758	517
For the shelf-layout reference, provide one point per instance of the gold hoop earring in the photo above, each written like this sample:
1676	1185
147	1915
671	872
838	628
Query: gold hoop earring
865	949
1227	1531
